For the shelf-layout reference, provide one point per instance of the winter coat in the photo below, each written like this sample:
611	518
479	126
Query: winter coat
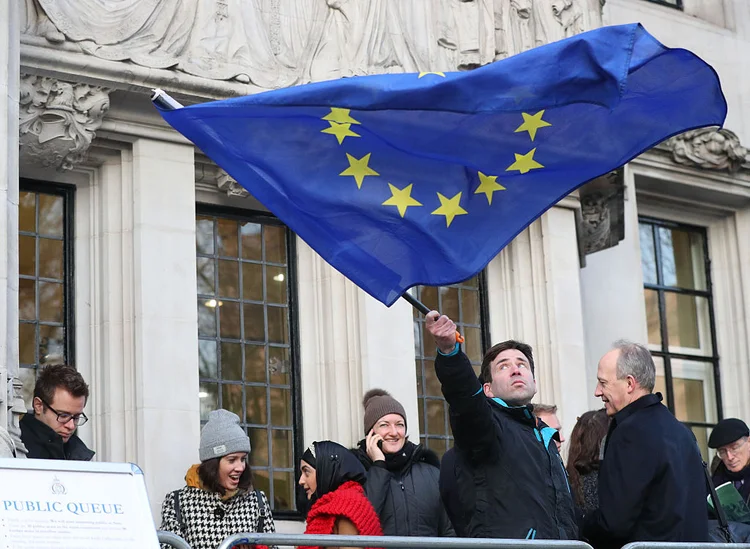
347	501
651	482
404	492
204	519
741	479
510	480
44	443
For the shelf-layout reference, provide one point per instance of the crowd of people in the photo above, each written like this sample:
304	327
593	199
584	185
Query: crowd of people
633	472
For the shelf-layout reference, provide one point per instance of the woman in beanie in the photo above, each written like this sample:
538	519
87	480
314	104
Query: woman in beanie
218	500
332	479
402	477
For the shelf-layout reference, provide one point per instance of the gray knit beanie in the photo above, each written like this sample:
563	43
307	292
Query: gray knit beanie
378	403
222	435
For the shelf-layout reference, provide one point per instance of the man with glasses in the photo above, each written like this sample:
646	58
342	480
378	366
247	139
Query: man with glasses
730	437
60	394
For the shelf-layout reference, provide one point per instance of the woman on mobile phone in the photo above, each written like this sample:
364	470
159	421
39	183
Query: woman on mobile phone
402	477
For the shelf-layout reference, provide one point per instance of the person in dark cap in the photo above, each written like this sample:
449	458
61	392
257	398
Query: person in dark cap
402	477
730	438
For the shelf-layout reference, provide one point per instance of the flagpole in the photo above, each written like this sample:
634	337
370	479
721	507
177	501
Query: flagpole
163	100
424	309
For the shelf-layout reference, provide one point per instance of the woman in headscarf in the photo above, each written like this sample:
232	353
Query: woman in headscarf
332	479
218	499
402	477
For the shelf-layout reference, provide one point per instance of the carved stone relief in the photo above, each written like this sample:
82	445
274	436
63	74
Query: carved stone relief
58	120
709	149
226	183
602	213
278	43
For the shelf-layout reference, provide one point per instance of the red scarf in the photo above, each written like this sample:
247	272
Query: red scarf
348	501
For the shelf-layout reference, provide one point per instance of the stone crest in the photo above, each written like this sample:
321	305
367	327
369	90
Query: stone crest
710	149
58	120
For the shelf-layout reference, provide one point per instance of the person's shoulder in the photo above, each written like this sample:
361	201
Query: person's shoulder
7	446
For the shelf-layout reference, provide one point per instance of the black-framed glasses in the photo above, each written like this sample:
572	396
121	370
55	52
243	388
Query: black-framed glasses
64	417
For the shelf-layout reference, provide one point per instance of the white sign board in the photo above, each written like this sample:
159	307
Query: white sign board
73	505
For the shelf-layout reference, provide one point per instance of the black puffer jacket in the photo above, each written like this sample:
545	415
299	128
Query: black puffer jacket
404	492
44	443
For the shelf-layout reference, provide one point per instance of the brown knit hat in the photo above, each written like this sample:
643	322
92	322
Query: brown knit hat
378	403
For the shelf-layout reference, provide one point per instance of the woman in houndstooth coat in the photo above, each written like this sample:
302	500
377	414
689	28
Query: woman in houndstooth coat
218	500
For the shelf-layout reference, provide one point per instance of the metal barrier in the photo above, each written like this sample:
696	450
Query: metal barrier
693	545
172	539
396	542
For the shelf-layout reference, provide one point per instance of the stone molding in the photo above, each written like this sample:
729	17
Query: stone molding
709	149
58	120
227	184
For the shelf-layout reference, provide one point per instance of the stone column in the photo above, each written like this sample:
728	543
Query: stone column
534	294
9	83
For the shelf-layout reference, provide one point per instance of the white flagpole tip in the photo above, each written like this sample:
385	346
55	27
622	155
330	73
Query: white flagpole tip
163	100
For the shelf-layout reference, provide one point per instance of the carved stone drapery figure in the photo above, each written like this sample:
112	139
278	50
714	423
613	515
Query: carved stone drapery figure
709	148
58	120
278	43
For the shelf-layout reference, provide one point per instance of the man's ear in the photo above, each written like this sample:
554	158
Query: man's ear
487	388
632	384
38	406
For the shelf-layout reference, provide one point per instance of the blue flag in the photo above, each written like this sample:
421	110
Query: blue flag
406	179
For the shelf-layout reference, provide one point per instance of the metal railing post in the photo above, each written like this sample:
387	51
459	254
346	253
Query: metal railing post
172	539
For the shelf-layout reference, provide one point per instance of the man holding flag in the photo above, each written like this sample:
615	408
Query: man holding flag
519	487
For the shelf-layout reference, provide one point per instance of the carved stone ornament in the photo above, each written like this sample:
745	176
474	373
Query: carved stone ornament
225	183
710	149
279	43
602	213
58	120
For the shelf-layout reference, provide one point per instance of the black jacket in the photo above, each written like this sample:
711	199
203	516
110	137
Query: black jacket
651	482
741	480
44	443
509	479
406	497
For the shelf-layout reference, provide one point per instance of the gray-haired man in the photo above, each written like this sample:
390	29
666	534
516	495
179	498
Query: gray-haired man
651	482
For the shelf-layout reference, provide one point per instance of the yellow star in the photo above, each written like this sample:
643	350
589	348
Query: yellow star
488	185
359	169
340	116
531	123
341	131
401	198
450	208
421	74
525	162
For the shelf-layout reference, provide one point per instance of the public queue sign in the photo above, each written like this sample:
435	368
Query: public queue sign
74	505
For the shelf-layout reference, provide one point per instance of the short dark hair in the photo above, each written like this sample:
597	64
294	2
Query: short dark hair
208	472
59	376
485	375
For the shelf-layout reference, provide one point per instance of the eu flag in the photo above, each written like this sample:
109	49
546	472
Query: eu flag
406	179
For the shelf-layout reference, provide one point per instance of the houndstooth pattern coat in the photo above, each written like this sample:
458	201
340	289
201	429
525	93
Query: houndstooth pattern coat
207	520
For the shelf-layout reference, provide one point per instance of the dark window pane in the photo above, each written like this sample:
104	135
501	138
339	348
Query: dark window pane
257	412
229	278
251	241
27	255
282	448
420	413
229	320
648	255
208	359
255	329
429	297
205	274
281	407
701	435
209	399
470	307
226	240
432	384
473	282
231	361
252	282
473	344
278	326
27	343
449	305
435	417
279	365
283	489
231	398
26	299
51	345
687	323
682	258
51	215
276	284
204	235
261	482
255	363
27	212
275	239
652	316
51	258
259	444
694	391
207	317
51	306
